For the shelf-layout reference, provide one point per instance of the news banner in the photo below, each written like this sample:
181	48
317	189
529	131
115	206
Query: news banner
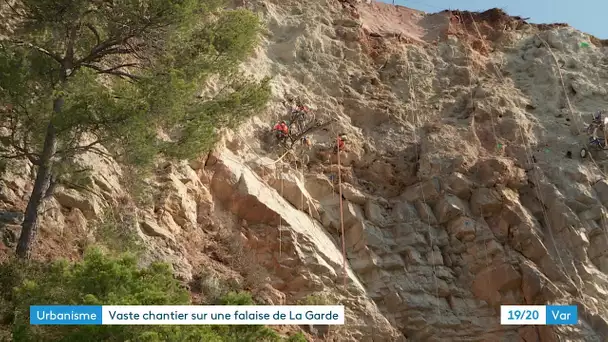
538	314
187	315
257	315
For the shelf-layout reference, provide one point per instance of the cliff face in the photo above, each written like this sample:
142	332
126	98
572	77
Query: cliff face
458	193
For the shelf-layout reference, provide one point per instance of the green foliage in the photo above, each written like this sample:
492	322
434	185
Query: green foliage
100	279
244	332
118	73
319	298
116	232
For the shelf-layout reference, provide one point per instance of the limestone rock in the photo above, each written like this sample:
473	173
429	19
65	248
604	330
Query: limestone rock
593	214
426	213
393	302
365	260
435	258
459	185
598	246
485	202
403	211
330	213
392	262
292	189
532	283
413	257
177	198
490	282
428	191
352	194
205	205
10	217
448	208
601	189
87	203
562	217
245	195
318	186
8	195
363	234
375	213
149	227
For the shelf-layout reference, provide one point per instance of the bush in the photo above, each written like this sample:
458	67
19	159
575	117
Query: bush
318	298
244	261
101	279
116	231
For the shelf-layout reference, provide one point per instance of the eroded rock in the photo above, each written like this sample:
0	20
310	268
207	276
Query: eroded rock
485	202
448	208
90	206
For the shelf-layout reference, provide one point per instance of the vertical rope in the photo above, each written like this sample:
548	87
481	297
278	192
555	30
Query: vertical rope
526	143
417	139
281	221
578	120
341	214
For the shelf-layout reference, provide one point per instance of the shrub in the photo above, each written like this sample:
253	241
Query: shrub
116	232
318	298
101	279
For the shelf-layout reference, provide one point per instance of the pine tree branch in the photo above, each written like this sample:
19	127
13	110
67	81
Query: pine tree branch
78	149
97	52
95	32
29	156
69	51
309	129
13	141
128	65
13	9
111	71
38	48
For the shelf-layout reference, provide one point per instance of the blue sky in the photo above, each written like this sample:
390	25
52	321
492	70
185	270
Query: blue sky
588	16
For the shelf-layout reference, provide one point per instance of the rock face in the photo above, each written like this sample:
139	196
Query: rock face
457	197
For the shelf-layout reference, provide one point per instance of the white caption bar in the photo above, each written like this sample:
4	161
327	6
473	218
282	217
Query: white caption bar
220	315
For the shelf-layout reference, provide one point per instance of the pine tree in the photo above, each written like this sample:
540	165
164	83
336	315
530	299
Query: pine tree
109	75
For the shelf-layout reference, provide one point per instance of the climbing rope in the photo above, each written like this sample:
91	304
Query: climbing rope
580	118
341	216
499	75
528	153
579	130
544	211
561	79
482	216
496	70
281	222
416	123
577	126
